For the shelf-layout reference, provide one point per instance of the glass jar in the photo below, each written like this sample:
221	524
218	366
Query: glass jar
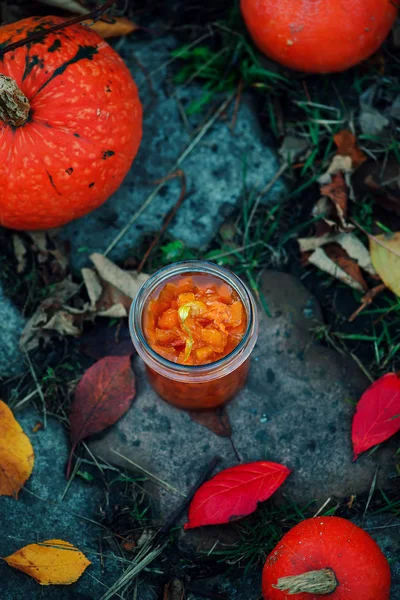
195	387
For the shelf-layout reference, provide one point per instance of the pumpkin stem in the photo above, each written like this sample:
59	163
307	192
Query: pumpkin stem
14	105
321	582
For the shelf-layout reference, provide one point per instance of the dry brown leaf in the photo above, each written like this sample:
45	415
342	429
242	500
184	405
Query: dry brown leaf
339	164
346	144
118	27
340	257
336	191
63	323
20	253
174	590
385	256
320	259
128	282
34	328
93	286
348	241
110	290
53	562
16	454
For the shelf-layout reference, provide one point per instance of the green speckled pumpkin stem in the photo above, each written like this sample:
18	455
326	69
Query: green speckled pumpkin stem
14	105
321	582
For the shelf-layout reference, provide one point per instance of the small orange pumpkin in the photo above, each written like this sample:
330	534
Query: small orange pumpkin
70	124
326	557
319	36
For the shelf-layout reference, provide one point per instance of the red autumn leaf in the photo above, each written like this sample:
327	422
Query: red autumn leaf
378	414
102	396
234	493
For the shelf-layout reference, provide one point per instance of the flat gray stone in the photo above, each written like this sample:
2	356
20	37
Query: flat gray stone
214	170
12	323
295	409
39	514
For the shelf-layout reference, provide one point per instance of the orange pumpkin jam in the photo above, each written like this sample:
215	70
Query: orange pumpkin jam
195	320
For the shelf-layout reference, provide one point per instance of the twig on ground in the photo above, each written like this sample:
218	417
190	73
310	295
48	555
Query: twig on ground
94	15
168	218
179	161
366	300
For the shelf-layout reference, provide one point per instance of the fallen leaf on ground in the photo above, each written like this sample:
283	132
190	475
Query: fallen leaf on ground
378	414
117	27
337	263
215	419
347	146
127	282
20	253
16	454
110	290
53	562
102	396
104	340
174	590
340	257
385	256
348	241
336	191
34	329
235	493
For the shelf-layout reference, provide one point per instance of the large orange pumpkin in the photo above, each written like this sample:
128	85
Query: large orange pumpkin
319	36
70	124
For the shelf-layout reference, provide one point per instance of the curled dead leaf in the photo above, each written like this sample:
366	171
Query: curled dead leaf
347	253
16	454
332	259
174	590
346	144
117	27
110	290
53	562
128	282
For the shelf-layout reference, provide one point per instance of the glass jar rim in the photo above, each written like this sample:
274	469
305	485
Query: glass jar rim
192	373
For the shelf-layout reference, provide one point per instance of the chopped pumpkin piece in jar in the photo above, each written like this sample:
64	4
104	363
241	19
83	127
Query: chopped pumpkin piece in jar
194	319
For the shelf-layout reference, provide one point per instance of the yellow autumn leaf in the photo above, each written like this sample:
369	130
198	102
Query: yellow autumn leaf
118	27
54	562
16	454
385	257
